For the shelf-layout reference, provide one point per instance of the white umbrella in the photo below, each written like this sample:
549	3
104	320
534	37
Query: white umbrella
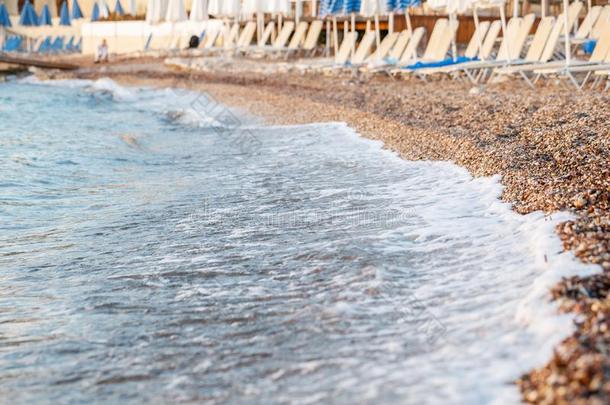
231	8
566	31
215	7
199	10
151	7
175	11
251	7
131	6
372	8
103	7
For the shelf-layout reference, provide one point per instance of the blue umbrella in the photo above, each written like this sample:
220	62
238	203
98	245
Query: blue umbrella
5	21
95	13
64	14
337	6
76	11
118	9
404	4
28	15
352	6
325	7
45	16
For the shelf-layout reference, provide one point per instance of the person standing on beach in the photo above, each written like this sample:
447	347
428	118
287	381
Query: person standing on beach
102	52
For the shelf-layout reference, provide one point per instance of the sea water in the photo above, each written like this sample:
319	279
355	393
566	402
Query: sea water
158	246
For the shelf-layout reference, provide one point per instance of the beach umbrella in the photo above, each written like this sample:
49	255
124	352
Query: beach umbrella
215	7
45	16
326	7
133	9
28	16
95	12
373	8
255	7
5	20
199	10
404	6
118	8
64	14
76	11
175	11
566	32
478	4
231	8
104	10
151	5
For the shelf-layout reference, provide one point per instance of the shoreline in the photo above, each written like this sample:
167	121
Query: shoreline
550	147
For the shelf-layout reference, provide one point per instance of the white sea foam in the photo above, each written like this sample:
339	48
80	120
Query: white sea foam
477	266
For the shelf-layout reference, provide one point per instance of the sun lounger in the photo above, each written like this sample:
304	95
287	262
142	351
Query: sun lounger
527	22
409	56
311	40
400	45
405	39
598	27
477	70
340	59
283	36
57	45
266	35
209	40
384	48
280	41
13	44
545	56
229	37
364	48
298	37
600	58
69	47
296	41
247	35
585	28
436	51
485	35
45	45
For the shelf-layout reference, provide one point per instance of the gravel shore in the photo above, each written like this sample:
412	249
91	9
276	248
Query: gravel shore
551	147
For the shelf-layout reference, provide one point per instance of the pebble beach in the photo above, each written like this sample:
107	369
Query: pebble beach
551	147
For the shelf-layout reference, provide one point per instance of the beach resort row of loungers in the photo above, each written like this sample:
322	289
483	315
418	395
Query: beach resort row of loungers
44	44
402	54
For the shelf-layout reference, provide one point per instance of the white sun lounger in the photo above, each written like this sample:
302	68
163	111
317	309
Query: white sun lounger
329	64
297	39
229	36
545	56
409	56
247	35
485	35
585	28
364	49
598	27
477	70
384	48
311	39
405	40
437	48
600	58
266	35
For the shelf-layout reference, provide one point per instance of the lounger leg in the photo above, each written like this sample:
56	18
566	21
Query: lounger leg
596	82
574	81
538	76
527	80
470	76
585	80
